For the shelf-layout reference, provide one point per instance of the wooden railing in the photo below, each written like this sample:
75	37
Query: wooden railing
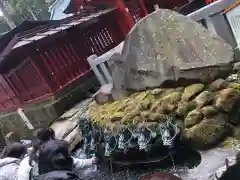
56	63
9	99
27	82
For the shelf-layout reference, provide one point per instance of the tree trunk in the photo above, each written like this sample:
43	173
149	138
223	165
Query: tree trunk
6	16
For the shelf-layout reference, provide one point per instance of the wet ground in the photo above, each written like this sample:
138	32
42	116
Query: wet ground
188	164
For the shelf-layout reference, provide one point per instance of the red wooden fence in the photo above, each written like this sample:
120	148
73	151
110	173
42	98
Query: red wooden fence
8	98
27	82
60	61
59	54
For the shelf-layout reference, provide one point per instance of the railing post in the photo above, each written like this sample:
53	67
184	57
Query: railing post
25	119
95	69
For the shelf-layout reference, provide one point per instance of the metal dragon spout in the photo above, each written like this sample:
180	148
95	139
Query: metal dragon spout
110	141
92	136
144	138
168	133
125	139
84	126
96	135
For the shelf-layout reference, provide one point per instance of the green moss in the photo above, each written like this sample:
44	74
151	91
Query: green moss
184	108
207	133
193	118
179	89
157	91
191	91
136	120
209	111
226	99
156	117
166	108
204	98
145	104
130	116
234	86
172	98
117	116
155	106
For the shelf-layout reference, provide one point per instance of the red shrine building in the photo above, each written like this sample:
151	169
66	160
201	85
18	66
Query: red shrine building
43	64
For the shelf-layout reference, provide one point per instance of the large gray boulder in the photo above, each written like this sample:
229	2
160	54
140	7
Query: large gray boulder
168	46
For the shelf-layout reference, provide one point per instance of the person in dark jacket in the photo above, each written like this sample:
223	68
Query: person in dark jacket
45	134
58	175
55	161
29	167
232	172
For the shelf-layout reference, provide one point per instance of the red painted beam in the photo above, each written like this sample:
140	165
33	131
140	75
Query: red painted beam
143	7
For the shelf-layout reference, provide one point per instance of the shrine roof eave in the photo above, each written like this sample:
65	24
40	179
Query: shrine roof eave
23	40
8	56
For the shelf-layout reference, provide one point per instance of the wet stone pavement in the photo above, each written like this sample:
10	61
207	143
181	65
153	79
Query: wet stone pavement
188	164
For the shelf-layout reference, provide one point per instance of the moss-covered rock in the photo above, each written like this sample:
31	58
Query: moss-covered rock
166	109
207	133
157	91
204	98
145	104
185	107
191	91
193	118
145	114
229	143
128	118
179	89
117	116
135	120
156	117
193	107
130	107
226	99
155	106
172	98
180	124
218	84
234	86
209	111
234	114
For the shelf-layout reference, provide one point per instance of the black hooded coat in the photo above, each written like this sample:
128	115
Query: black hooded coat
58	175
